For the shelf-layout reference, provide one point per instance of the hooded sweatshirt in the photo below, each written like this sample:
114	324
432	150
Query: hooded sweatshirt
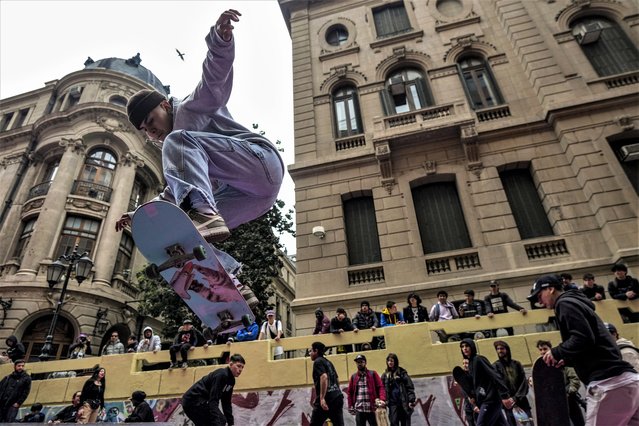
399	387
586	345
487	384
15	349
149	344
513	375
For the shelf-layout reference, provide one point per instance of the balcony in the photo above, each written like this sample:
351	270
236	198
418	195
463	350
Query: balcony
92	190
39	190
462	262
432	119
366	275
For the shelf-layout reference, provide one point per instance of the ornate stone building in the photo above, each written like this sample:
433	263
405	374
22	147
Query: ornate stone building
446	143
70	165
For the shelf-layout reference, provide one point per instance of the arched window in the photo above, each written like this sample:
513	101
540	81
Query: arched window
405	90
99	167
479	84
118	100
607	47
346	109
337	35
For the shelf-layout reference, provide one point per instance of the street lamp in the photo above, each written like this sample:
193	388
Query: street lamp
64	265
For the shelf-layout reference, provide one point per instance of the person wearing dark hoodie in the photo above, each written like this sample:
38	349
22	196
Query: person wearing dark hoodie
14	390
489	391
400	392
514	376
612	385
142	413
322	322
15	349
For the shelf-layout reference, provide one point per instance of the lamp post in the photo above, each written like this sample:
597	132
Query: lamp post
64	265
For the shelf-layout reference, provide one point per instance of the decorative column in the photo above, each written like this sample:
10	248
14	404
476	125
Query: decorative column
47	227
110	239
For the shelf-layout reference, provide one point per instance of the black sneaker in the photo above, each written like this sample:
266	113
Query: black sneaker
211	226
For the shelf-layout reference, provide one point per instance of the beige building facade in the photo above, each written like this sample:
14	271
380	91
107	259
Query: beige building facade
70	165
441	144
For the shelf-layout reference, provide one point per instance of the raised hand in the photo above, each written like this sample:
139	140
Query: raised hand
123	222
223	25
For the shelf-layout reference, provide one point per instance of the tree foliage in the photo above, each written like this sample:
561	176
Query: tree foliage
255	244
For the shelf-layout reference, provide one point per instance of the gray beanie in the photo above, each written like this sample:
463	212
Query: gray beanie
141	104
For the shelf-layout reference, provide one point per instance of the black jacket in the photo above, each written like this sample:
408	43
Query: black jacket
345	324
487	384
499	303
618	289
210	390
15	349
363	321
422	314
141	413
93	392
14	388
399	380
512	373
586	343
67	414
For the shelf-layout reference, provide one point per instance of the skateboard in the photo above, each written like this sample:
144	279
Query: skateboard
381	413
464	380
167	238
551	401
521	417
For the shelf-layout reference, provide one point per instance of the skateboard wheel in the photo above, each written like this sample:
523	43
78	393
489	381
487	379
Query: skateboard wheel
152	271
246	320
199	252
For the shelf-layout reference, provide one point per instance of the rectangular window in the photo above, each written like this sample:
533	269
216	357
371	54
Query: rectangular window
362	237
525	204
6	120
440	217
390	20
22	116
125	251
78	230
25	237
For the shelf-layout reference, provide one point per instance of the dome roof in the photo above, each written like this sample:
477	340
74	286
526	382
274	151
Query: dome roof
131	67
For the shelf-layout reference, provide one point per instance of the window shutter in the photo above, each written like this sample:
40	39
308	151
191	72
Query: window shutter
525	204
362	238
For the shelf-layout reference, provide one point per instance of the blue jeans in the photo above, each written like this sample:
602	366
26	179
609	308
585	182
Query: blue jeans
238	178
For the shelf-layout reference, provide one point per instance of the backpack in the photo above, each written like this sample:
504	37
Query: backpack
267	328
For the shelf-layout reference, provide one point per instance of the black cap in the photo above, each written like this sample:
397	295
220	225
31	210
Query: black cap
493	283
619	267
141	104
543	282
470	292
360	357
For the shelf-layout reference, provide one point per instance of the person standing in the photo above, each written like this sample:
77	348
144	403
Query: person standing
497	302
14	390
329	400
114	346
201	403
69	414
93	396
149	342
612	385
365	388
142	413
514	376
490	392
623	286
572	387
400	392
217	170
272	329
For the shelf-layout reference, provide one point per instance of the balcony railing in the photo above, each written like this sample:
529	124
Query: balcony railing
92	190
546	249
494	113
371	275
350	142
462	262
40	189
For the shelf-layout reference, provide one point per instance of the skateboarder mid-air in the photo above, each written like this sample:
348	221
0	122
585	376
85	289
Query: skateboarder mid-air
219	172
612	385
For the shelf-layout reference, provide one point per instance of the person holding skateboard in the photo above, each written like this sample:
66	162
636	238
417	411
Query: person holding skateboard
219	172
612	385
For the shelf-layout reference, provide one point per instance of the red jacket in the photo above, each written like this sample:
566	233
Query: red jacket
375	386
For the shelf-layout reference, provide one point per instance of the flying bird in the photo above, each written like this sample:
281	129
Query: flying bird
180	54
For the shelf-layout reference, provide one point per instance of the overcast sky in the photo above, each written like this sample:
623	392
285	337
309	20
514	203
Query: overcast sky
42	41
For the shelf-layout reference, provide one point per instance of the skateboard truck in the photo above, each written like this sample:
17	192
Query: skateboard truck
178	257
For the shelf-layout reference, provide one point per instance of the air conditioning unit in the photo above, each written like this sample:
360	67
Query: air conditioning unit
75	92
589	33
630	152
397	89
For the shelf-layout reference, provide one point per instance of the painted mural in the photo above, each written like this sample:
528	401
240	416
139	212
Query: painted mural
440	403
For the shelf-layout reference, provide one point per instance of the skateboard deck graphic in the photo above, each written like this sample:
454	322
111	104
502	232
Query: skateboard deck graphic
551	400
166	236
